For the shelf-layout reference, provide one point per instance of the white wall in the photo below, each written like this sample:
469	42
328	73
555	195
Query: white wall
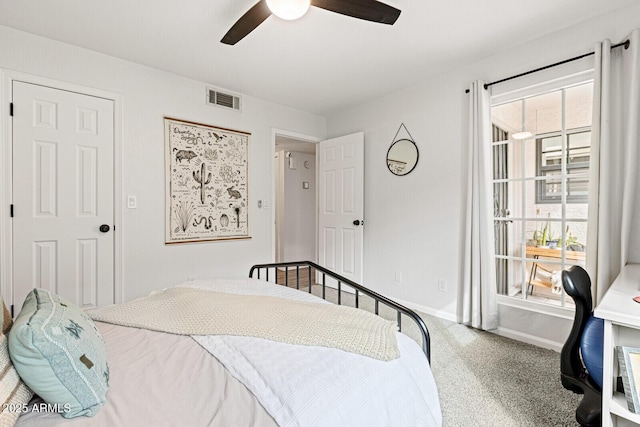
148	96
414	223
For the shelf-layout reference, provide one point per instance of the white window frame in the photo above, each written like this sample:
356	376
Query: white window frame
529	86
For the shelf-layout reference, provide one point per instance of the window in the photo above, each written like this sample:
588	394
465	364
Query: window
549	164
541	153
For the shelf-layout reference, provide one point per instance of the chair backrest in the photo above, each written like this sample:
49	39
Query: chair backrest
577	285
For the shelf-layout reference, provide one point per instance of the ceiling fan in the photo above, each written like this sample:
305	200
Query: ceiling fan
369	10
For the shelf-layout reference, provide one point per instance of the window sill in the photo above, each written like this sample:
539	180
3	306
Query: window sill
561	312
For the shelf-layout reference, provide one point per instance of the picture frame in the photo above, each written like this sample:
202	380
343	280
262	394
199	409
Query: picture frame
629	367
206	182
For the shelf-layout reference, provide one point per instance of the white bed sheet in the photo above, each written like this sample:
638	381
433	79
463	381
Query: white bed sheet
319	386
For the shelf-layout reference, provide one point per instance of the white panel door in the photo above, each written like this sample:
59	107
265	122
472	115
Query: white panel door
62	194
341	205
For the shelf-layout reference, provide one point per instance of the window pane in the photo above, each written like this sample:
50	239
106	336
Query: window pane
576	238
579	147
498	134
507	160
579	101
507	117
502	237
551	151
579	155
510	275
578	211
578	188
533	233
550	189
530	157
530	198
501	161
507	201
548	223
508	236
543	113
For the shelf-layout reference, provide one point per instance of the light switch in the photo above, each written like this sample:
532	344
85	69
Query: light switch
132	202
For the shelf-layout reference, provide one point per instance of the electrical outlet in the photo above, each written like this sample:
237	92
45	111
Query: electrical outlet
132	202
398	276
442	285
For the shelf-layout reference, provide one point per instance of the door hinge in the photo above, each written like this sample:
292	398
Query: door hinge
12	311
11	210
11	108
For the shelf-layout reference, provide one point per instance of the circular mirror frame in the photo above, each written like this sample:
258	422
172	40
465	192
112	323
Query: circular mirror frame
414	165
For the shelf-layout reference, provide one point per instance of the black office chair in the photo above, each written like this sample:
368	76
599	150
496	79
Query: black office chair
574	375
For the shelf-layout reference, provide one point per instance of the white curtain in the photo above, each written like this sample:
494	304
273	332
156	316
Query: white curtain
477	305
614	178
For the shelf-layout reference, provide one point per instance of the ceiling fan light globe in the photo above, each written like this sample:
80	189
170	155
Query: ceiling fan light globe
289	9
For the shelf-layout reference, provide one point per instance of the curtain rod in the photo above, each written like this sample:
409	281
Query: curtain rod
626	45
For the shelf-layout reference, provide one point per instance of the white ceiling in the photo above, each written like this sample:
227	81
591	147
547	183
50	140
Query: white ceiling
322	63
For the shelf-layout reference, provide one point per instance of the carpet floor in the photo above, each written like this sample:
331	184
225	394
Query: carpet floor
487	380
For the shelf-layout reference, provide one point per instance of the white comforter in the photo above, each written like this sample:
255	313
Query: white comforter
318	386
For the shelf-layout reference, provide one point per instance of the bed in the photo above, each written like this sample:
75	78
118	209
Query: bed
158	378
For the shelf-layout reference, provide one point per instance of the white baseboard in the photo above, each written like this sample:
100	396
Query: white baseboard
529	339
427	310
508	333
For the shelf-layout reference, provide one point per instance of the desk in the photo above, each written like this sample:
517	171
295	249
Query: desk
621	327
536	252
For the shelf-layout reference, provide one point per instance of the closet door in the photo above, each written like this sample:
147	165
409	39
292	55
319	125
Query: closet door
63	191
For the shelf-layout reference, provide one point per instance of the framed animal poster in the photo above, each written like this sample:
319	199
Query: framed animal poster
207	188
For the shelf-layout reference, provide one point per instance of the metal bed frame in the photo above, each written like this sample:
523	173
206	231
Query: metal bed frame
359	289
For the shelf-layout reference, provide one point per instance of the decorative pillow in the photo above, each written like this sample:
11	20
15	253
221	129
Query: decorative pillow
14	394
59	353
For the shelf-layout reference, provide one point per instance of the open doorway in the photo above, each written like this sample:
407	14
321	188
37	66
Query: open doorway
295	199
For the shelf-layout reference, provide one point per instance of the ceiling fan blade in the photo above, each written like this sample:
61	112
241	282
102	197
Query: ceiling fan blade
247	23
370	10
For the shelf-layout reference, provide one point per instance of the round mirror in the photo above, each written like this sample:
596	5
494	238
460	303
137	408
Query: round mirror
402	157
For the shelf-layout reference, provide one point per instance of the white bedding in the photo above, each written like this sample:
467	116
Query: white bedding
318	386
160	379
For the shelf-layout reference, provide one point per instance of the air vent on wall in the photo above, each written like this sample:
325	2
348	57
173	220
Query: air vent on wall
223	99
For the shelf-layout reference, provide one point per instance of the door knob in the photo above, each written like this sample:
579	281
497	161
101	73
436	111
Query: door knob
358	222
105	228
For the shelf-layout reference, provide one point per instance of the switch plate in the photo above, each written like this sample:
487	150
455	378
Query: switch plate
442	285
398	276
265	204
132	202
